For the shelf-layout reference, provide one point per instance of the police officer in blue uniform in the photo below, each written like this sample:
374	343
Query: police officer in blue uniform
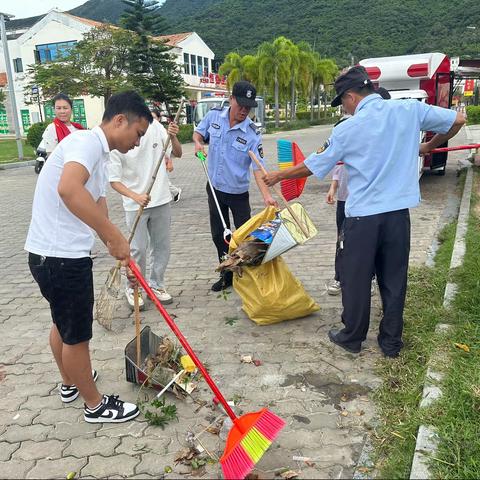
379	147
231	134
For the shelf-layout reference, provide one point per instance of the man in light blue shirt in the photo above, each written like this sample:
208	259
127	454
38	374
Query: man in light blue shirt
379	146
231	134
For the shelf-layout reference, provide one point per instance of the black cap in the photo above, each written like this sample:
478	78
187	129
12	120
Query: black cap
356	77
245	93
384	93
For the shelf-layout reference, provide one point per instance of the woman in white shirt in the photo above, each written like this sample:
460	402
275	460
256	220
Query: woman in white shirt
61	125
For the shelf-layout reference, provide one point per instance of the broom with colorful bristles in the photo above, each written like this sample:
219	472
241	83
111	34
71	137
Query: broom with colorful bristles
289	155
251	434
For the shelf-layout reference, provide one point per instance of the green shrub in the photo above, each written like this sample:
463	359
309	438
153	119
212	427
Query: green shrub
298	124
35	132
473	114
185	133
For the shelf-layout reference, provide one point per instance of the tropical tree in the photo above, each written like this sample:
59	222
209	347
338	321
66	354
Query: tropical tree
238	68
233	68
326	71
294	60
274	67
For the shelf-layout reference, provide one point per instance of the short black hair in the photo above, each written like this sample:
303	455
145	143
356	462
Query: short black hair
129	103
62	96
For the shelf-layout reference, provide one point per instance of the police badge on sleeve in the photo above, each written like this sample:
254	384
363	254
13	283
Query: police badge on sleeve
324	147
260	150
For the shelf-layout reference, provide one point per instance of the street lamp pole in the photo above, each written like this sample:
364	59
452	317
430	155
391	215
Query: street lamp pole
11	86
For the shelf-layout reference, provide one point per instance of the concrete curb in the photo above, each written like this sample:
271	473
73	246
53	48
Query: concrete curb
8	166
427	438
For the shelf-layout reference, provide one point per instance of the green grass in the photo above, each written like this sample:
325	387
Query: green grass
398	398
457	415
9	153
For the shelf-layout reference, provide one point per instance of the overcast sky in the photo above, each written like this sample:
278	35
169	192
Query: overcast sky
29	8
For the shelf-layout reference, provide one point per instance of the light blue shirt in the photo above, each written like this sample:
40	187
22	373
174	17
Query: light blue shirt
379	146
228	160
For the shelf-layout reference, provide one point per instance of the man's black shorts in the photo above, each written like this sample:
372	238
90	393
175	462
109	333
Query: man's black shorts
67	285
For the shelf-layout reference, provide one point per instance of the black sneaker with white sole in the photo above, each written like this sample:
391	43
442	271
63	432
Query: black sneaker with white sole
69	393
111	410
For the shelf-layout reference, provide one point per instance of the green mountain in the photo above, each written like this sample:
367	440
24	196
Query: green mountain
337	29
108	11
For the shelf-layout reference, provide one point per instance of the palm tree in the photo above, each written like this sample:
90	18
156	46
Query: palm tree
233	68
274	66
323	73
305	70
327	70
238	68
250	70
294	53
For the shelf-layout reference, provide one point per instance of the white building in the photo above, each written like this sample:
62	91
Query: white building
41	39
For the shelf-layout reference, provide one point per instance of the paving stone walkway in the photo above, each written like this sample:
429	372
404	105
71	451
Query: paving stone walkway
321	391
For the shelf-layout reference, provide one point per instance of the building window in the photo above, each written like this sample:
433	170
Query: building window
53	51
206	70
186	64
200	66
17	65
193	64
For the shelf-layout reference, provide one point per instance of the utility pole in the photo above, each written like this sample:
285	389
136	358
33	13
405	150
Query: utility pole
11	86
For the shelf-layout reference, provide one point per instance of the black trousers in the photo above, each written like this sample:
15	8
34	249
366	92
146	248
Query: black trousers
238	204
340	217
374	244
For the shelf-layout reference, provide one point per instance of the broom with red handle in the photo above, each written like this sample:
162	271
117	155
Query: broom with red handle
459	147
251	434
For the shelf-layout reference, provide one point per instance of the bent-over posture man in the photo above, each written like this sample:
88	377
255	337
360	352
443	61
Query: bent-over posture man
69	204
379	147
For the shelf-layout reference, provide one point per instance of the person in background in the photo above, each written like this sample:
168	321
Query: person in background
61	126
175	191
130	175
339	188
68	206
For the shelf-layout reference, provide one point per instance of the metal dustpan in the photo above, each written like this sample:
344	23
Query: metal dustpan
289	234
134	373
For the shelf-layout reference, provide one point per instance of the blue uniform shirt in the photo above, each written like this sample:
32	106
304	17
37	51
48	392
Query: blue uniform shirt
379	146
228	160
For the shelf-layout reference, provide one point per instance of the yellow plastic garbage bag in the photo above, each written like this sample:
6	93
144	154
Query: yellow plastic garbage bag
270	292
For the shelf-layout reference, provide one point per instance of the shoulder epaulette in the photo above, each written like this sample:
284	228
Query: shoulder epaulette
255	128
219	109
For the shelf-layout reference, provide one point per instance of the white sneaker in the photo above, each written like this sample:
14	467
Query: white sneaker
130	299
334	287
111	410
163	295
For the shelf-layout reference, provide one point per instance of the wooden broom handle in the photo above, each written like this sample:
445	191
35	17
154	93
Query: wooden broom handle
137	324
301	226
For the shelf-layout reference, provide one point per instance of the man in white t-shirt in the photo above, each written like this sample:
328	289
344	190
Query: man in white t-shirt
130	175
68	206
